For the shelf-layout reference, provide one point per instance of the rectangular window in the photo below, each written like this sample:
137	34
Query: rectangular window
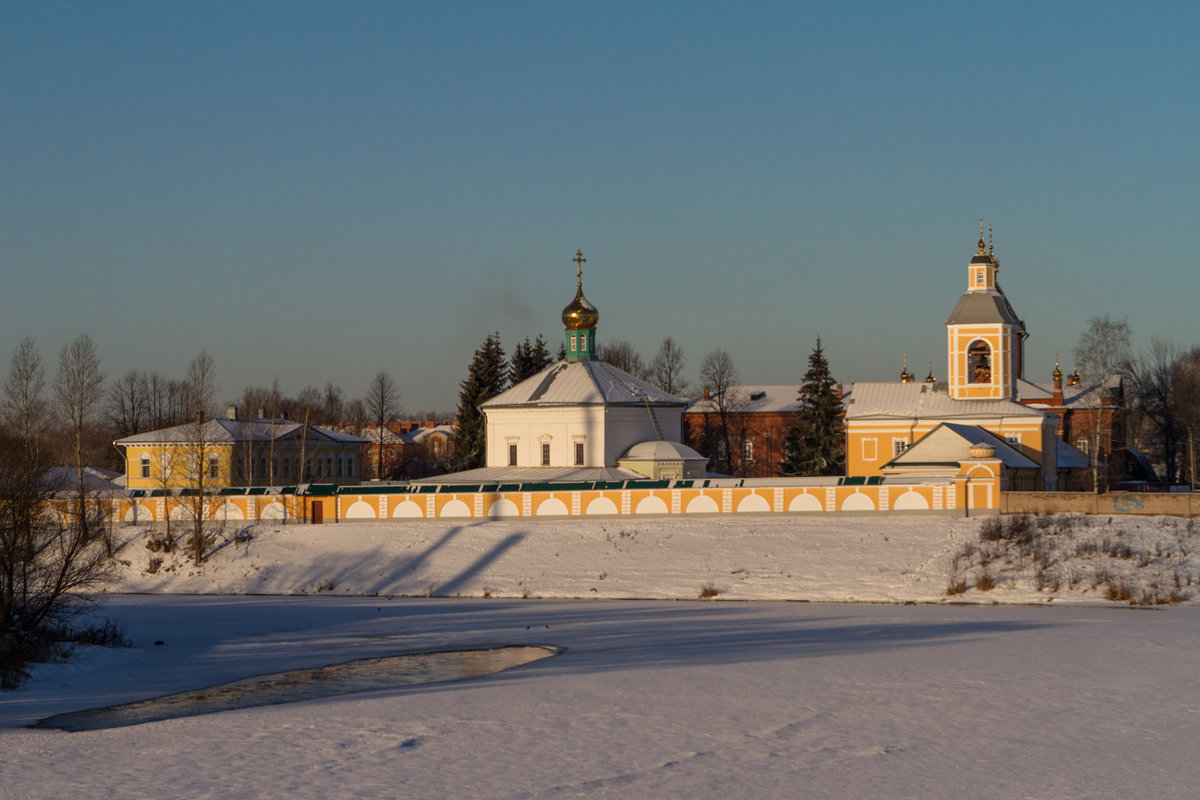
579	454
747	450
899	446
145	466
341	465
214	467
350	466
869	449
512	455
1013	438
545	454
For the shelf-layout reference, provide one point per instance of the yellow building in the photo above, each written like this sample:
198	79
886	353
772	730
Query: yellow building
887	424
236	452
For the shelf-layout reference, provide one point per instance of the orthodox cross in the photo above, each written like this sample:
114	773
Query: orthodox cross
579	260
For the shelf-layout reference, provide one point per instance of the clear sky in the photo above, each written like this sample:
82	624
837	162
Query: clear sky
317	191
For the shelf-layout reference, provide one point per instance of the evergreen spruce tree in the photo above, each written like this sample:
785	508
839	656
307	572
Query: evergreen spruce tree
815	442
486	378
539	356
518	363
528	359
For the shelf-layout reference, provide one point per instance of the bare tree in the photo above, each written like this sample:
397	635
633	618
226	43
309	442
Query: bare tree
1154	377
128	406
383	404
201	385
720	379
1187	394
47	569
24	406
666	370
1103	351
78	392
332	405
623	356
307	403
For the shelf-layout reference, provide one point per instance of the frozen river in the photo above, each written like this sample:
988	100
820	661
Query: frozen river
650	699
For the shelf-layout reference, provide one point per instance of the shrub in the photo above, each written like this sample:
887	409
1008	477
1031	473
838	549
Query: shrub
958	586
708	591
984	582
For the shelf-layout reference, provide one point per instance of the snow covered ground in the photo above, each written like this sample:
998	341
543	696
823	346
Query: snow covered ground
652	698
842	559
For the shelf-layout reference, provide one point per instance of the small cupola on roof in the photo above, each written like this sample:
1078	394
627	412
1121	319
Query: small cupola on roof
580	318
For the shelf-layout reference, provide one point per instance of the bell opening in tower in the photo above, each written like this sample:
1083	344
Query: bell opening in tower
979	363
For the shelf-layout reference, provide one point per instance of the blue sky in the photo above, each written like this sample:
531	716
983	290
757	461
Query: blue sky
317	191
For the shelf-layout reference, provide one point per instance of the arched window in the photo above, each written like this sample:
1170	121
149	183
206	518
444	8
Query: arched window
979	362
1081	444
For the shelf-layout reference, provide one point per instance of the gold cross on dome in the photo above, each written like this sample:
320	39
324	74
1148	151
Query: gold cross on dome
579	260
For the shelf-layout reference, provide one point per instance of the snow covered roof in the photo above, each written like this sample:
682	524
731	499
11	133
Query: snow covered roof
1079	395
237	430
582	382
534	475
755	399
923	400
95	479
950	443
421	434
661	451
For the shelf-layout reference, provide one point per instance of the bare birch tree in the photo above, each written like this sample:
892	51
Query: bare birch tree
1103	351
24	404
201	385
383	403
78	393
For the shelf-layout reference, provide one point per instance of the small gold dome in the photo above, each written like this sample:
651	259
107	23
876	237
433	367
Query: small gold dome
580	315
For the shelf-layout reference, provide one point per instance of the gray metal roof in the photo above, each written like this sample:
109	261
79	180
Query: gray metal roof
922	401
582	382
983	307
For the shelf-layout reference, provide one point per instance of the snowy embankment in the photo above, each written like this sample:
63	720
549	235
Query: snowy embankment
898	559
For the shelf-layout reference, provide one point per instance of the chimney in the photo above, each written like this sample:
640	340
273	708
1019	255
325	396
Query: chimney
230	412
262	412
706	393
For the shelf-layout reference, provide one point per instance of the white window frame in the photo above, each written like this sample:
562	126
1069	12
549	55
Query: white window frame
870	448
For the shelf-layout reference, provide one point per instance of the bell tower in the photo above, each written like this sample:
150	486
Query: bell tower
986	339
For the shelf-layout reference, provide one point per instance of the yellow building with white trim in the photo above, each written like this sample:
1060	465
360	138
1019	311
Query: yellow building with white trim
979	400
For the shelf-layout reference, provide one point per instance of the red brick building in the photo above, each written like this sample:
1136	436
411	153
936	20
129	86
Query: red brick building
758	418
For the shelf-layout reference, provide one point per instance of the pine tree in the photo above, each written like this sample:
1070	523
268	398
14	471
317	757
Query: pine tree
486	378
815	443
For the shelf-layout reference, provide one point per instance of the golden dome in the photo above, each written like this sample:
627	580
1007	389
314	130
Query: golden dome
580	315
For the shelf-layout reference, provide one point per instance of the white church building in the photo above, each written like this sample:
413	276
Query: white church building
582	419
